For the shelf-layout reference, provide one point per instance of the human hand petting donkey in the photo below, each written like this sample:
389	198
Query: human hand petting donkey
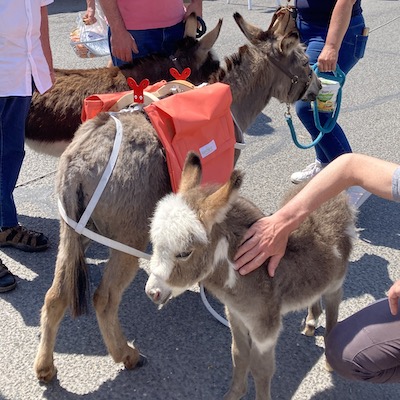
266	238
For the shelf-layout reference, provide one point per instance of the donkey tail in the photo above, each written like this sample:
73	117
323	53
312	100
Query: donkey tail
71	255
71	252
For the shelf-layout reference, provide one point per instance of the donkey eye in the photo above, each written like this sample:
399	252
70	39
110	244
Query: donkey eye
184	254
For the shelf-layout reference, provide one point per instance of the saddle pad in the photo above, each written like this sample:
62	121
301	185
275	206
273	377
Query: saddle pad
197	120
97	103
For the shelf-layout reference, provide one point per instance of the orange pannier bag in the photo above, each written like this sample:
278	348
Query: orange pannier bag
197	120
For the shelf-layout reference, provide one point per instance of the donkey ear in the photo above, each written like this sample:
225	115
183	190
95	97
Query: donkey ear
282	22
288	42
191	173
216	206
252	33
191	26
208	40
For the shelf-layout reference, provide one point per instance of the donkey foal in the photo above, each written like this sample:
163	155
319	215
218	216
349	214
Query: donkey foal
195	234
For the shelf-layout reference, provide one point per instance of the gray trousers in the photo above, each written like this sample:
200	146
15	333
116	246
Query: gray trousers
366	346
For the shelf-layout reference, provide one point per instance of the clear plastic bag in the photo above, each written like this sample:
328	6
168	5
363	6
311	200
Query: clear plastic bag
90	41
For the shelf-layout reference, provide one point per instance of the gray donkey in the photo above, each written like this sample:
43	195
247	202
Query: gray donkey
195	235
271	66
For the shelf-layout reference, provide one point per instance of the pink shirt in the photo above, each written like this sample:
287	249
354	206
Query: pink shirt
150	14
21	49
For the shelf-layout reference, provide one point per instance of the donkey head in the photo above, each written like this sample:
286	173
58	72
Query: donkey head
197	54
280	46
183	250
191	53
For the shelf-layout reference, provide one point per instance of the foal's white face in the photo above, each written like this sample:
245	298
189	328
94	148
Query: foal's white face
175	232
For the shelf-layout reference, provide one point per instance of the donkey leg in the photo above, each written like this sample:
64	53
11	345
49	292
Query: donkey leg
264	336
54	307
119	273
332	301
53	311
240	359
262	366
314	311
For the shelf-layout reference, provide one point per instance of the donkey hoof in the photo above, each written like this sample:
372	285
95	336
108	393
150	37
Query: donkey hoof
135	360
142	361
309	330
46	374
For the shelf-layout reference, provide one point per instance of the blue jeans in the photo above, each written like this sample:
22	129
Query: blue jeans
153	41
334	143
13	113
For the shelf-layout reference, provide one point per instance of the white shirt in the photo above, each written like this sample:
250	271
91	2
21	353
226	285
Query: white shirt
21	53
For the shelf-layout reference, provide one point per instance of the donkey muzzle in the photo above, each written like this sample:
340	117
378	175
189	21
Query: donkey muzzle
157	290
312	89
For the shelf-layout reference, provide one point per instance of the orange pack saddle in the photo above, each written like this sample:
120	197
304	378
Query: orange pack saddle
186	118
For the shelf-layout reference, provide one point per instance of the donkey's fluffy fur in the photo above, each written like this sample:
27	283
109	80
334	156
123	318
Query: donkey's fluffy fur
201	246
139	179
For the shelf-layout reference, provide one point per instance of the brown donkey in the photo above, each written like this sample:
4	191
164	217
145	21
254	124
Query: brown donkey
55	115
195	234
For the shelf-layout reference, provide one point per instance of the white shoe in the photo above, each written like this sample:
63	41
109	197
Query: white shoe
307	173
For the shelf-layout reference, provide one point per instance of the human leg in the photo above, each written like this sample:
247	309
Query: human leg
7	279
366	346
334	143
13	113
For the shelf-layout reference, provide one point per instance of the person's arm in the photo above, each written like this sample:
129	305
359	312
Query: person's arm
122	42
338	25
195	6
268	237
89	16
45	40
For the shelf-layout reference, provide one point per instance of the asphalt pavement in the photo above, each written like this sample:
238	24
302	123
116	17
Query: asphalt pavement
187	349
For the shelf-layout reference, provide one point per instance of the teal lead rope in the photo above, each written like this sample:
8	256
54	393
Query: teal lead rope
338	76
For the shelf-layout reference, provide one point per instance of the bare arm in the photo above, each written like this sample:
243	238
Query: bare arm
268	237
89	16
195	6
338	26
122	43
45	40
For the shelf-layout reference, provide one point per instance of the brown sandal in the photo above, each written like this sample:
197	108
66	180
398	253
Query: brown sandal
7	279
23	239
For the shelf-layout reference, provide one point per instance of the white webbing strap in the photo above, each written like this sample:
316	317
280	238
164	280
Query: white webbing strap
102	239
238	145
80	227
104	178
